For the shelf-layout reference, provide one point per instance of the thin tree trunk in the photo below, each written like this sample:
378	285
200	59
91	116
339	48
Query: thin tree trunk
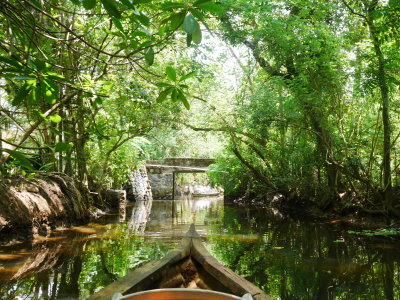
384	90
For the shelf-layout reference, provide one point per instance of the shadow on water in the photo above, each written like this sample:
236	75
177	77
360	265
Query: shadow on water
288	258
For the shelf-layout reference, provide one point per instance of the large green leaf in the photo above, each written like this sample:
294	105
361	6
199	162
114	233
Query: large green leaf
172	5
22	159
212	8
149	56
188	75
10	61
183	99
62	147
55	118
177	20
190	25
196	36
171	73
163	95
89	4
128	4
110	7
22	93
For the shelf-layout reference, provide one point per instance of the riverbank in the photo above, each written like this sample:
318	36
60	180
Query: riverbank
36	206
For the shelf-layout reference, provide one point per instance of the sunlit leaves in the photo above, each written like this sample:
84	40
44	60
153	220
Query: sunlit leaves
171	73
55	118
175	89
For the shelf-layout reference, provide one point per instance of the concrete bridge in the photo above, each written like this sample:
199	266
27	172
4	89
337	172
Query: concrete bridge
162	173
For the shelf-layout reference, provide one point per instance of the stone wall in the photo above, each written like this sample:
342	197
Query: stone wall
161	185
140	185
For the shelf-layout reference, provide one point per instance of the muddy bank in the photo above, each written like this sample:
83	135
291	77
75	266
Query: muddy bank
29	208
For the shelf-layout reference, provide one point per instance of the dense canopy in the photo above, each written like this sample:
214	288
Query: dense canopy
298	98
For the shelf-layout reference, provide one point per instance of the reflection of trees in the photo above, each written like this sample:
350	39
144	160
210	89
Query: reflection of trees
186	211
49	273
78	266
293	260
140	216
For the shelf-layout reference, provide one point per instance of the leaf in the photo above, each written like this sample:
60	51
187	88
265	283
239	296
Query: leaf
198	14
109	6
141	1
163	84
22	93
10	61
149	56
188	40
196	36
25	78
89	4
128	4
212	8
62	147
55	118
177	20
188	75
172	5
190	25
171	73
22	159
183	99
174	95
163	95
118	24
144	20
200	2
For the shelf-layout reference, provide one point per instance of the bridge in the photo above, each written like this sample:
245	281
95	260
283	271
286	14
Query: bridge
162	173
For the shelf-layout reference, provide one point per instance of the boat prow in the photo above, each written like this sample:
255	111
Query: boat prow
188	266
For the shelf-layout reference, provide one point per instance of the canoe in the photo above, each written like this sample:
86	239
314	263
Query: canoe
189	268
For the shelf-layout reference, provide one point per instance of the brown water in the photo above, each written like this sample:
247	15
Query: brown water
288	258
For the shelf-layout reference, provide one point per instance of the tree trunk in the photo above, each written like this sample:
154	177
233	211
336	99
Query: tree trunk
384	91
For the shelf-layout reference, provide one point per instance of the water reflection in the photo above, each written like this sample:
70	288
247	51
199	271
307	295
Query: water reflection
289	259
140	216
298	260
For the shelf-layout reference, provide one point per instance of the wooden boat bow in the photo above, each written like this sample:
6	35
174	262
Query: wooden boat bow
177	267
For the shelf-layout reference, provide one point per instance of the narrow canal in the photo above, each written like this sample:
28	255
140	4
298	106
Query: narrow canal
288	258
